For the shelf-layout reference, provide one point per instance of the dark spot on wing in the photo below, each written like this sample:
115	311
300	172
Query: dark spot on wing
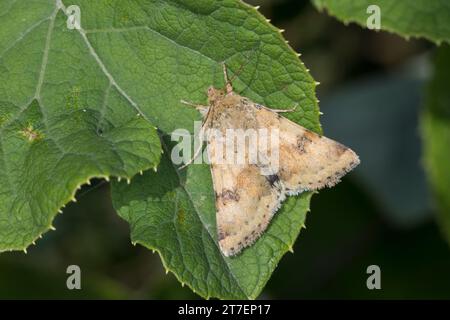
229	195
222	235
272	179
302	142
340	149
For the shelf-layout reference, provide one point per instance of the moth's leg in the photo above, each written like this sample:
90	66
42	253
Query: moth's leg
197	152
285	110
195	105
280	110
201	108
228	85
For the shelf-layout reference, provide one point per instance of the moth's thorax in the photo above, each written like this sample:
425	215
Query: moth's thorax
229	101
215	95
232	111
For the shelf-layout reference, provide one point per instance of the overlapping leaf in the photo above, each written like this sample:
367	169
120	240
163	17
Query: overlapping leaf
436	136
417	18
63	120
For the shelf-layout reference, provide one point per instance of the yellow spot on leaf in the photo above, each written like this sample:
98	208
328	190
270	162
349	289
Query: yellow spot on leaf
31	134
181	216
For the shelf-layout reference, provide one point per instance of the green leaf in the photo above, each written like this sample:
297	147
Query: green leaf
174	213
62	121
436	136
183	43
145	56
418	18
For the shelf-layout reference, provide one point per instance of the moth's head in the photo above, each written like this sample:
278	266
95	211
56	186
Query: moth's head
215	95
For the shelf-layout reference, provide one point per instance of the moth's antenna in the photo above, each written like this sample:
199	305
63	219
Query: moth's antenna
237	73
228	81
228	85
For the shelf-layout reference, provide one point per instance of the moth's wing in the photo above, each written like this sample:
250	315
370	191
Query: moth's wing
307	161
246	199
245	203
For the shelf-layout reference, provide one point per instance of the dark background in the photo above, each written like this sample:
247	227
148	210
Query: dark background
371	92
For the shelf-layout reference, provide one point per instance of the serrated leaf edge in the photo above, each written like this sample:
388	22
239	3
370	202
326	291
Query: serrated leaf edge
438	41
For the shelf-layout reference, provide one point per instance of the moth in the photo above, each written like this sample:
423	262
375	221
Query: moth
246	197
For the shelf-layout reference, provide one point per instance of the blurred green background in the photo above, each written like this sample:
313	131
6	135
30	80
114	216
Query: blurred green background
371	93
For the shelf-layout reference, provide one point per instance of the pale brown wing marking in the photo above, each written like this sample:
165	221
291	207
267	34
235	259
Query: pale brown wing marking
245	204
309	161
